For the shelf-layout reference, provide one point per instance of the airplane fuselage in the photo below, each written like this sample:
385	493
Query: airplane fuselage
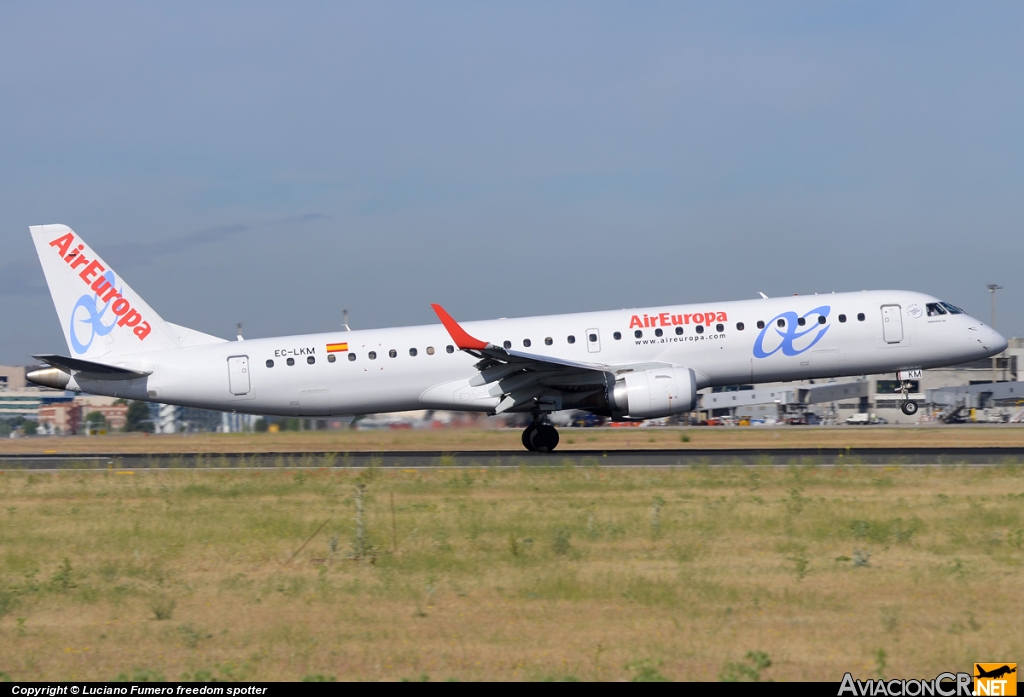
397	369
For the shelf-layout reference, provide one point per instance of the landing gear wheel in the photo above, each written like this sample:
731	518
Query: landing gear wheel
544	438
909	407
528	435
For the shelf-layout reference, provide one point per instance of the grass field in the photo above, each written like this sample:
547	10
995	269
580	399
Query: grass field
457	439
522	574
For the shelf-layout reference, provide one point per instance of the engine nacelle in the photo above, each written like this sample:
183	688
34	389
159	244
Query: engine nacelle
649	394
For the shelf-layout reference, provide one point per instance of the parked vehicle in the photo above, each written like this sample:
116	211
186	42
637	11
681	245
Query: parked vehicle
865	420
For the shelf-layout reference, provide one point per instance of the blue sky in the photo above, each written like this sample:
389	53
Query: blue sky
275	163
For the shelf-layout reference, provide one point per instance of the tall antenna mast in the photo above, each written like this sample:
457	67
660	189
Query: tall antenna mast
344	321
240	337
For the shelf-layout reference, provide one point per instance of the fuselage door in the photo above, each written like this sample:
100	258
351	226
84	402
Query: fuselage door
892	324
593	340
238	375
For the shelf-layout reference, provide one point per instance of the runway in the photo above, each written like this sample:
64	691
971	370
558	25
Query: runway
521	458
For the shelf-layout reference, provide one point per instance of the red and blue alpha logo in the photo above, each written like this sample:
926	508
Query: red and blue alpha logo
88	314
791	333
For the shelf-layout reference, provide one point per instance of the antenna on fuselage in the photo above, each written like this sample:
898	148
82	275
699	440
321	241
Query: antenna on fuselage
344	320
762	295
240	337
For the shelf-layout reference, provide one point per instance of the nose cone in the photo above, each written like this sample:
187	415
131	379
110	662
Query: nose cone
987	340
995	342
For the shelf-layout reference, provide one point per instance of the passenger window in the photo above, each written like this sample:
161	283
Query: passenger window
781	322
372	355
739	326
760	324
700	329
679	331
638	333
592	338
571	339
821	319
527	343
802	321
842	318
393	353
719	328
351	356
430	350
449	348
658	332
507	344
311	359
290	361
860	316
617	335
270	364
412	352
548	341
331	358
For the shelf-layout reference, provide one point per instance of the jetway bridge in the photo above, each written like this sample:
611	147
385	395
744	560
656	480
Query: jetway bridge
976	396
787	396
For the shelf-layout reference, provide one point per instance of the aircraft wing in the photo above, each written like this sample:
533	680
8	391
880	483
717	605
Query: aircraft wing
520	377
96	371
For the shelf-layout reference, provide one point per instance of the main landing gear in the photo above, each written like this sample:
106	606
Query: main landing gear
907	405
540	437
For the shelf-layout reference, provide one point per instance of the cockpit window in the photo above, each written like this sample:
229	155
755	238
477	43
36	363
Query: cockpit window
935	309
953	309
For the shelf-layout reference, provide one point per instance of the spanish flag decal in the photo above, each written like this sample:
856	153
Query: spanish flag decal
334	348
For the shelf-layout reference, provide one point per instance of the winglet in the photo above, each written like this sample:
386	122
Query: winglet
458	334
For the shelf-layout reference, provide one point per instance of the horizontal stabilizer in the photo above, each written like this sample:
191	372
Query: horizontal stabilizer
96	371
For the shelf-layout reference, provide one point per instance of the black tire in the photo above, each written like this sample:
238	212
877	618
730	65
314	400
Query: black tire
909	407
528	436
544	439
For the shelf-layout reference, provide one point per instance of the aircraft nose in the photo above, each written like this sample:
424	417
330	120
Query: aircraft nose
991	341
988	340
996	342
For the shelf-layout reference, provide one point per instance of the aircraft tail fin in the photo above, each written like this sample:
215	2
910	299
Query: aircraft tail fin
99	313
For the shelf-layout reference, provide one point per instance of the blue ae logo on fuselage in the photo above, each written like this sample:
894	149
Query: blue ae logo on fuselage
87	311
791	339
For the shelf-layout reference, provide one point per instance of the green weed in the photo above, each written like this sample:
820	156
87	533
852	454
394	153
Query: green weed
645	670
746	671
141	675
162	607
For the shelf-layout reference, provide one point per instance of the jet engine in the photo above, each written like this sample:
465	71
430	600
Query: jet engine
649	394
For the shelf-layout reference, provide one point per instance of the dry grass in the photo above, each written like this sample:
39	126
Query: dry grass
536	573
509	439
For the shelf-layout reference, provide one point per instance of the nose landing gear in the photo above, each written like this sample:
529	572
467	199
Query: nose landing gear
540	437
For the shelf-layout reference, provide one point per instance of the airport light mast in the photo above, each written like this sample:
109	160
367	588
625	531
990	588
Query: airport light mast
992	288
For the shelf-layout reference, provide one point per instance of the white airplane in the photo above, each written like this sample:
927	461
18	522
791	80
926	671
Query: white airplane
626	364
